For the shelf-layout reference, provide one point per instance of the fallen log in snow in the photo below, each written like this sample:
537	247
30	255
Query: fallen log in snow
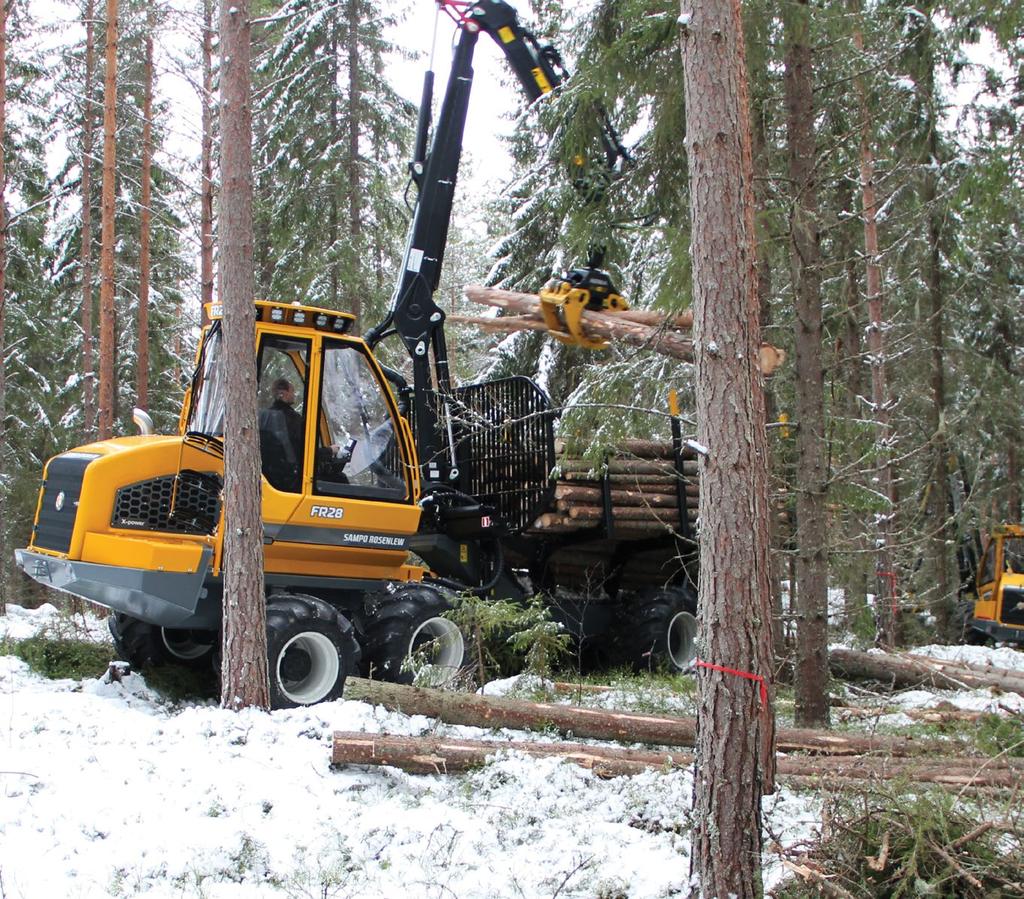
643	328
440	755
600	724
907	670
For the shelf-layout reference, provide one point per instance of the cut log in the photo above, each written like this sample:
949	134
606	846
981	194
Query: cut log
593	495
652	449
600	724
916	671
440	755
643	328
632	480
627	513
665	470
653	522
528	304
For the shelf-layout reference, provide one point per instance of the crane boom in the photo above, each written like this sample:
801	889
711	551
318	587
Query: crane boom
414	315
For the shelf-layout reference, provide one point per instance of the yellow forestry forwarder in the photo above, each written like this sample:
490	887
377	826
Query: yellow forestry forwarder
998	612
380	498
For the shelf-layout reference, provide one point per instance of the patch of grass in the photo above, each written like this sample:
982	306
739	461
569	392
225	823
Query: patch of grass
62	657
996	735
648	692
178	683
989	735
893	842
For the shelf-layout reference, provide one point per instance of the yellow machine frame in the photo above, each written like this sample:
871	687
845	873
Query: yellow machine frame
365	541
997	611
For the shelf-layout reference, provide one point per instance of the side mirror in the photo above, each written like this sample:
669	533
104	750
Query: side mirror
143	422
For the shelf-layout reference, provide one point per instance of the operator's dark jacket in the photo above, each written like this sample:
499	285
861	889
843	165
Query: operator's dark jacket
281	441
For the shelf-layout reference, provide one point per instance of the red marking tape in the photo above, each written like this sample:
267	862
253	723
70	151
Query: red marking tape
746	675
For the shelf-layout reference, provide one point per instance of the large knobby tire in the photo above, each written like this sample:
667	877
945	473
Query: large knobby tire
311	649
407	638
659	630
147	646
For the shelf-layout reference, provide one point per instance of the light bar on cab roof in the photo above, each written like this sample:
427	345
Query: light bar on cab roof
302	317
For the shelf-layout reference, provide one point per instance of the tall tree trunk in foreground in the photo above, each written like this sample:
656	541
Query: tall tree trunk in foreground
244	679
4	9
758	23
735	745
88	126
886	602
355	196
107	312
811	671
206	167
145	216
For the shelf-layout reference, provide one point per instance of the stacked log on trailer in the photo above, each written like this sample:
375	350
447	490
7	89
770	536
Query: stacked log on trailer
621	518
640	484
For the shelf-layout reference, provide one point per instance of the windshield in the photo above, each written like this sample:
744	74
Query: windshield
1013	554
207	413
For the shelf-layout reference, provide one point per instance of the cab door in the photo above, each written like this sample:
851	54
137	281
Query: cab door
282	402
358	508
988	572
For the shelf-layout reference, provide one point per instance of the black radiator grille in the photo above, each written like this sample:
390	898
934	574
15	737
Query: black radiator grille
1013	606
59	507
504	432
147	504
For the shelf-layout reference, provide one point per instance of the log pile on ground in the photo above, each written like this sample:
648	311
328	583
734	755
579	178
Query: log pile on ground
825	759
441	755
909	670
472	710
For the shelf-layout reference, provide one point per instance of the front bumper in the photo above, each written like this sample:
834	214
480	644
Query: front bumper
165	598
998	632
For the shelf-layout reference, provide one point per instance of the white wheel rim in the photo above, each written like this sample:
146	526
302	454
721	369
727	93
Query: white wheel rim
324	666
183	647
437	650
682	640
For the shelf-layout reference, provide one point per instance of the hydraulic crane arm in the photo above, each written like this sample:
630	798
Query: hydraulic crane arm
414	315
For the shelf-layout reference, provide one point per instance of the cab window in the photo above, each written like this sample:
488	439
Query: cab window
283	367
1013	554
987	571
357	449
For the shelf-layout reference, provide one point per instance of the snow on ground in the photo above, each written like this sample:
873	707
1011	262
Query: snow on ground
20	623
992	656
107	790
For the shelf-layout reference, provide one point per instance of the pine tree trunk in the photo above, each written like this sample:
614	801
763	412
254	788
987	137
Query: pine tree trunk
4	11
145	217
206	167
886	607
735	745
1004	355
88	132
850	368
355	194
811	664
332	206
107	310
938	490
760	22
244	678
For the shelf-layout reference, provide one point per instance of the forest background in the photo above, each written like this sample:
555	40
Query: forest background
889	203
